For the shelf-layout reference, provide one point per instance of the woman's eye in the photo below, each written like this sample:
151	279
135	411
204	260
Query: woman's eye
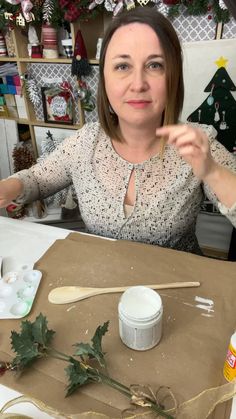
121	67
155	65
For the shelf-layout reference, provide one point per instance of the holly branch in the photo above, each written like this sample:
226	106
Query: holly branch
34	342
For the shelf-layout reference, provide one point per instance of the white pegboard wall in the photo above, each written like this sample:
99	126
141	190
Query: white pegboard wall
194	28
229	29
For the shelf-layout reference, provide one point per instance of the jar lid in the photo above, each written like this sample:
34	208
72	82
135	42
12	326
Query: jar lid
140	303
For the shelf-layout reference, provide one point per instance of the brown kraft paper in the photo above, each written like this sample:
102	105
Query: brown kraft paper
190	356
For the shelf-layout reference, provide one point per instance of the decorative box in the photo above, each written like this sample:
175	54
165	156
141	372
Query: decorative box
58	104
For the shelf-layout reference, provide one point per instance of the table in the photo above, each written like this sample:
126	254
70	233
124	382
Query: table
23	243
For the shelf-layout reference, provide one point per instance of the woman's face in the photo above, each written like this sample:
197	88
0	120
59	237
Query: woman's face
135	76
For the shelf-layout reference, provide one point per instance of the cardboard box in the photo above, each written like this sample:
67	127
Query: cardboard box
10	100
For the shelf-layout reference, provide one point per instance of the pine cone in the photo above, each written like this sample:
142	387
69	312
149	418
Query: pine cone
23	158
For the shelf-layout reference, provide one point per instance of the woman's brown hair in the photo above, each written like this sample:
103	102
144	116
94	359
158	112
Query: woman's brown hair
173	65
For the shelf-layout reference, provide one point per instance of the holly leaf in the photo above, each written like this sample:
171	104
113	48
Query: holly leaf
77	375
24	345
29	344
85	350
97	338
40	331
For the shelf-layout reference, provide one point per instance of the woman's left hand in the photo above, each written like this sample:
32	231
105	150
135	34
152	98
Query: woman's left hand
192	144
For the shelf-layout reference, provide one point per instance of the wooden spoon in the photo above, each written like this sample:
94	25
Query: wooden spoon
70	294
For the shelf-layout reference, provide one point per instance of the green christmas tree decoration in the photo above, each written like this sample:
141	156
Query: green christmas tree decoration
219	108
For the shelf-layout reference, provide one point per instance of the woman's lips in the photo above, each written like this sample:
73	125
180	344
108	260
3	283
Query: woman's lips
139	104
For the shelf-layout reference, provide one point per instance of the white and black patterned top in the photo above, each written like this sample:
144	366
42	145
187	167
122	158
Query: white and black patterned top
168	195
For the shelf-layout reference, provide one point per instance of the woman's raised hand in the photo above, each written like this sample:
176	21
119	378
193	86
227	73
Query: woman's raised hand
192	144
9	190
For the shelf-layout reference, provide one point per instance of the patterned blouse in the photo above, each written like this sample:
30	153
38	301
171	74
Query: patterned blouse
168	195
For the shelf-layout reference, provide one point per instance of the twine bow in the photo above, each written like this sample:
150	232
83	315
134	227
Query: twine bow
144	396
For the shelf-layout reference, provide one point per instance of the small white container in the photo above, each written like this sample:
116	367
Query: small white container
140	318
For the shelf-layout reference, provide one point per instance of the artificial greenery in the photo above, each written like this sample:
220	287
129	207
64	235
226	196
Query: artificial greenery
200	7
61	12
56	15
34	342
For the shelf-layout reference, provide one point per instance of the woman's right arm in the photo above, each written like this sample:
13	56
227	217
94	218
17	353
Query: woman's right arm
10	189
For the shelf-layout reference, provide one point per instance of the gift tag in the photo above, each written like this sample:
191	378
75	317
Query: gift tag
17	293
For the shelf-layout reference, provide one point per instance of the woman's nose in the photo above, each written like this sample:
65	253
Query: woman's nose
138	81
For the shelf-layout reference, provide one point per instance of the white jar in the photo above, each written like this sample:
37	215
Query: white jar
140	318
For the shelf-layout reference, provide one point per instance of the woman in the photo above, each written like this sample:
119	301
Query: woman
138	174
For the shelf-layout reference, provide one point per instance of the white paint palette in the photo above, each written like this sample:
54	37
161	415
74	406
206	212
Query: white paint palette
17	293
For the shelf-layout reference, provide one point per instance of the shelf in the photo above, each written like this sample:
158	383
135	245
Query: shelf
18	120
42	123
94	61
59	60
47	124
7	59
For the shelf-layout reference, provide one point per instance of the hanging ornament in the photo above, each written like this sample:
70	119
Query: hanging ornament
210	99
217	115
223	124
199	115
222	5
